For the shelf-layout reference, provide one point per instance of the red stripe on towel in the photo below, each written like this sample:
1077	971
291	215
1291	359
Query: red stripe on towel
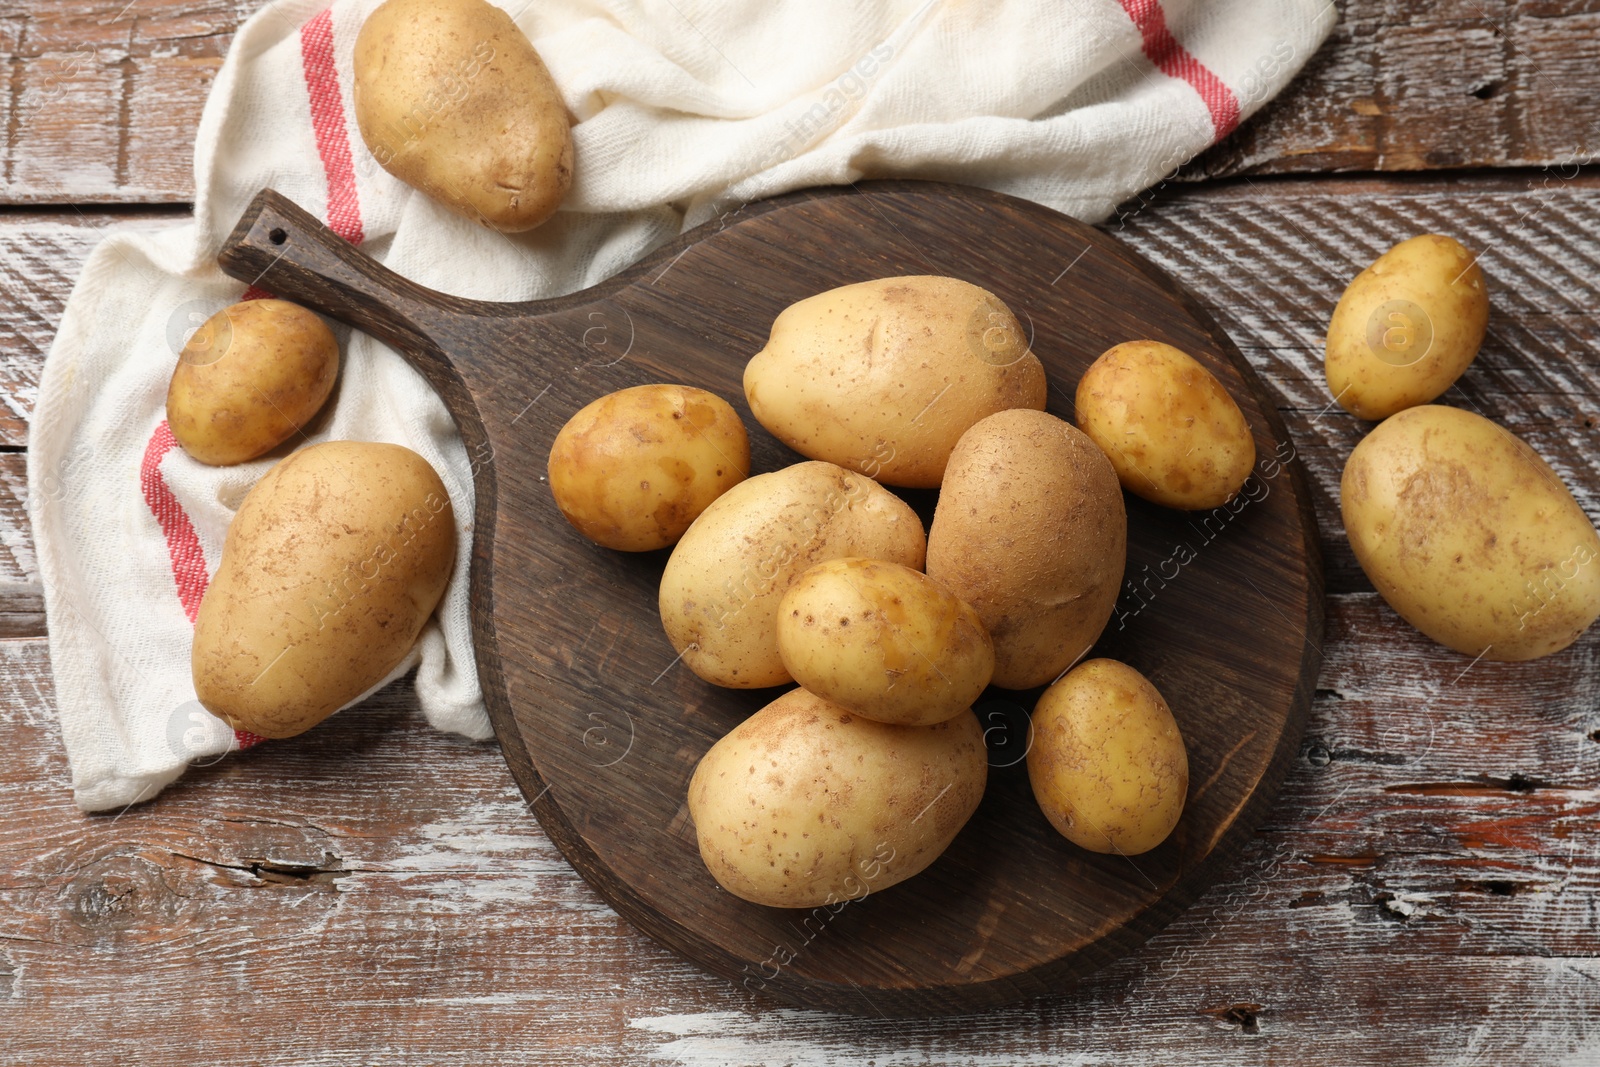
327	120
1176	61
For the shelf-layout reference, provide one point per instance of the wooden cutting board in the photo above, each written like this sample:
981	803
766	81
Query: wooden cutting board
602	727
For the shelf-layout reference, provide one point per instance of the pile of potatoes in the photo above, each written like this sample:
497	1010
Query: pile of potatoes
818	574
1467	533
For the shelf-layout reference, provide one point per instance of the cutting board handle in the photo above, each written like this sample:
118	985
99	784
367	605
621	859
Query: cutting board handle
283	249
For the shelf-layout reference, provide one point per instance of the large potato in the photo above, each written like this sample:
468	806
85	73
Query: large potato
884	641
332	565
248	379
884	377
1106	759
722	584
1406	327
1031	531
633	469
1171	431
452	99
805	804
1470	536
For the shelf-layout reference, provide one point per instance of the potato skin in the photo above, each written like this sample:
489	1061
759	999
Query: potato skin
1470	536
1406	327
452	99
1031	531
634	468
884	641
721	586
805	804
1171	431
329	571
248	379
1106	759
883	377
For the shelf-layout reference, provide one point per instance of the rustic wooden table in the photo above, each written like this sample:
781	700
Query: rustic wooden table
1424	890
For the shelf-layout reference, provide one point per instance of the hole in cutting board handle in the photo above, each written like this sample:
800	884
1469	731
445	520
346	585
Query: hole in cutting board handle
277	236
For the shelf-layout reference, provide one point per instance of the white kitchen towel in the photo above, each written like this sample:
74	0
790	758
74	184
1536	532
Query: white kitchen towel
685	110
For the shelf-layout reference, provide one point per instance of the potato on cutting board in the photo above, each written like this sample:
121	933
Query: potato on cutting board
804	803
1031	531
883	377
331	567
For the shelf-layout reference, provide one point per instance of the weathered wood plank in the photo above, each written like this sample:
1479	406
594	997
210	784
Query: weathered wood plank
103	96
375	888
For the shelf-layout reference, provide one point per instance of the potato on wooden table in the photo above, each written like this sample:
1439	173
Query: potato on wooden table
1406	327
1470	536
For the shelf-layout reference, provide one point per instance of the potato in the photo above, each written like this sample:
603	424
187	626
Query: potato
1470	536
883	377
721	586
1406	327
332	565
248	379
1171	431
883	641
805	804
633	469
1106	760
452	99
1030	530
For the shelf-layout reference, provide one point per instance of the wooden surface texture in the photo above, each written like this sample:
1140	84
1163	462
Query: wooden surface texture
1423	891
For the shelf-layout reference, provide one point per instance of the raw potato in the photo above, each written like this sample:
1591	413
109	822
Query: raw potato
722	584
632	470
1407	327
884	377
248	379
1470	536
805	804
329	571
452	99
1031	531
1106	759
884	641
1171	431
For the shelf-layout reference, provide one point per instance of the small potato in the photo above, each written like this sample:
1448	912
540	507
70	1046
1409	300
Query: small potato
452	99
329	571
883	377
805	804
633	469
721	587
1406	327
1106	760
1470	536
1168	426
248	379
884	641
1031	531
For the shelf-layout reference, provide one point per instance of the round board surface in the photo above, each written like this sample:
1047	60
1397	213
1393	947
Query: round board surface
602	726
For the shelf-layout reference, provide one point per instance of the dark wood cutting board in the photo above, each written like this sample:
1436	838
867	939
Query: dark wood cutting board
602	728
